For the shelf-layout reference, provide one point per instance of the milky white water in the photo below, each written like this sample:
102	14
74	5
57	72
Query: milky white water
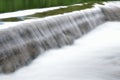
93	57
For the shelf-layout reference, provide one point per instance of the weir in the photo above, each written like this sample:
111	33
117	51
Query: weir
22	43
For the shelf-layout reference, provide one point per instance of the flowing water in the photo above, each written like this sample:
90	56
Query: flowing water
26	40
22	42
95	56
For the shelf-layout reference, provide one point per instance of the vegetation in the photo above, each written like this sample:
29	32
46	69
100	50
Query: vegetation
13	5
63	10
53	12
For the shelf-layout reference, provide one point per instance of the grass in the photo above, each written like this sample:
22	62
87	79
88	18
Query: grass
62	10
15	5
54	12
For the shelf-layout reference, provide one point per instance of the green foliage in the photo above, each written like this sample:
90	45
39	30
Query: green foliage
52	12
14	5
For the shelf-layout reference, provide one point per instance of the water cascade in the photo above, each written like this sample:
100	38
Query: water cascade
112	13
23	42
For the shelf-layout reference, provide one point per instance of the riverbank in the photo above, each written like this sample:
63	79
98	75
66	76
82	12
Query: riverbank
39	13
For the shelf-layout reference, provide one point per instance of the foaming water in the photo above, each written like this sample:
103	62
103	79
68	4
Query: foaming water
93	57
22	42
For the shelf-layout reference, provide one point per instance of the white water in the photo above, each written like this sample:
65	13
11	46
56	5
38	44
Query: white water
23	41
92	57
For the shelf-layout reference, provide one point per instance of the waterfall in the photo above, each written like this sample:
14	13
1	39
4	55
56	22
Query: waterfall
22	43
112	13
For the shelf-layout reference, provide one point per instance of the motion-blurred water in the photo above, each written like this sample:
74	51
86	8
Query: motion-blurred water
24	41
93	57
